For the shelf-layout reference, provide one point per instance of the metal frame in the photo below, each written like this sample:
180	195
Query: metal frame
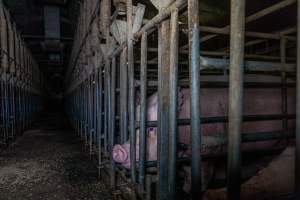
21	82
106	112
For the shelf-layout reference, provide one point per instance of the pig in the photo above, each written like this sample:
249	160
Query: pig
214	103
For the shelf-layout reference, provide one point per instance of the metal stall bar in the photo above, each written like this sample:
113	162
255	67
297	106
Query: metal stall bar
297	155
163	104
131	89
4	65
257	15
163	14
106	6
237	39
174	38
143	113
123	96
284	105
194	48
113	122
99	117
14	115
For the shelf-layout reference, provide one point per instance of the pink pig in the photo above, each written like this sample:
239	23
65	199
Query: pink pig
214	103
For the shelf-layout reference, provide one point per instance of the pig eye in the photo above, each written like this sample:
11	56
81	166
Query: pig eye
151	129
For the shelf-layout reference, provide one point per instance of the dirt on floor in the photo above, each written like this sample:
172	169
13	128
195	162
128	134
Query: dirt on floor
49	163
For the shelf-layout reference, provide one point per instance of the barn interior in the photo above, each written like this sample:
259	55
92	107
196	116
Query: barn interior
150	99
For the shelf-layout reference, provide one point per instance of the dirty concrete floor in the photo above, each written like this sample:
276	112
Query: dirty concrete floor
49	163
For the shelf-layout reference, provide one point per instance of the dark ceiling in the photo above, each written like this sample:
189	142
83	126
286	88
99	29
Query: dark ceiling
50	52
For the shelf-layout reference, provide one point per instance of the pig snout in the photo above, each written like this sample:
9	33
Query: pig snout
121	154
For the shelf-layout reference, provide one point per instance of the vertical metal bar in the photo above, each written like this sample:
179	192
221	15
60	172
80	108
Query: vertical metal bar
123	96
4	65
283	81
86	118
95	107
131	97
163	105
143	112
236	79
297	156
99	119
194	49
91	121
173	104
148	185
107	104
113	121
105	16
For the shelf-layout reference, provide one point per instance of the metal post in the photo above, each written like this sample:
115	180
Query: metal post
123	96
109	106
100	117
113	121
131	97
194	49
297	155
235	107
163	104
173	104
143	112
283	81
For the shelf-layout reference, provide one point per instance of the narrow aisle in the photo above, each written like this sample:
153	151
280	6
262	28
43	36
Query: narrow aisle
48	163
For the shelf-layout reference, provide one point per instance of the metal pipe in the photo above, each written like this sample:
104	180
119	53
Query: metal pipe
224	119
194	48
131	97
297	154
123	96
258	15
163	104
99	117
113	121
143	112
237	40
162	15
283	81
174	37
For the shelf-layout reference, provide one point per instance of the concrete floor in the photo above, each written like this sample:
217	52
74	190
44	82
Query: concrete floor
49	163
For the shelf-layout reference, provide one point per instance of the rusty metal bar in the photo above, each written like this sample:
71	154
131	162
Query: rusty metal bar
174	38
143	112
273	36
131	96
123	96
163	14
237	40
163	104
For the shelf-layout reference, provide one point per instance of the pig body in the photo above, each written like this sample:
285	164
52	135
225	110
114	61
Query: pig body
214	103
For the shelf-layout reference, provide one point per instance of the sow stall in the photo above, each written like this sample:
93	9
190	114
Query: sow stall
21	81
120	60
